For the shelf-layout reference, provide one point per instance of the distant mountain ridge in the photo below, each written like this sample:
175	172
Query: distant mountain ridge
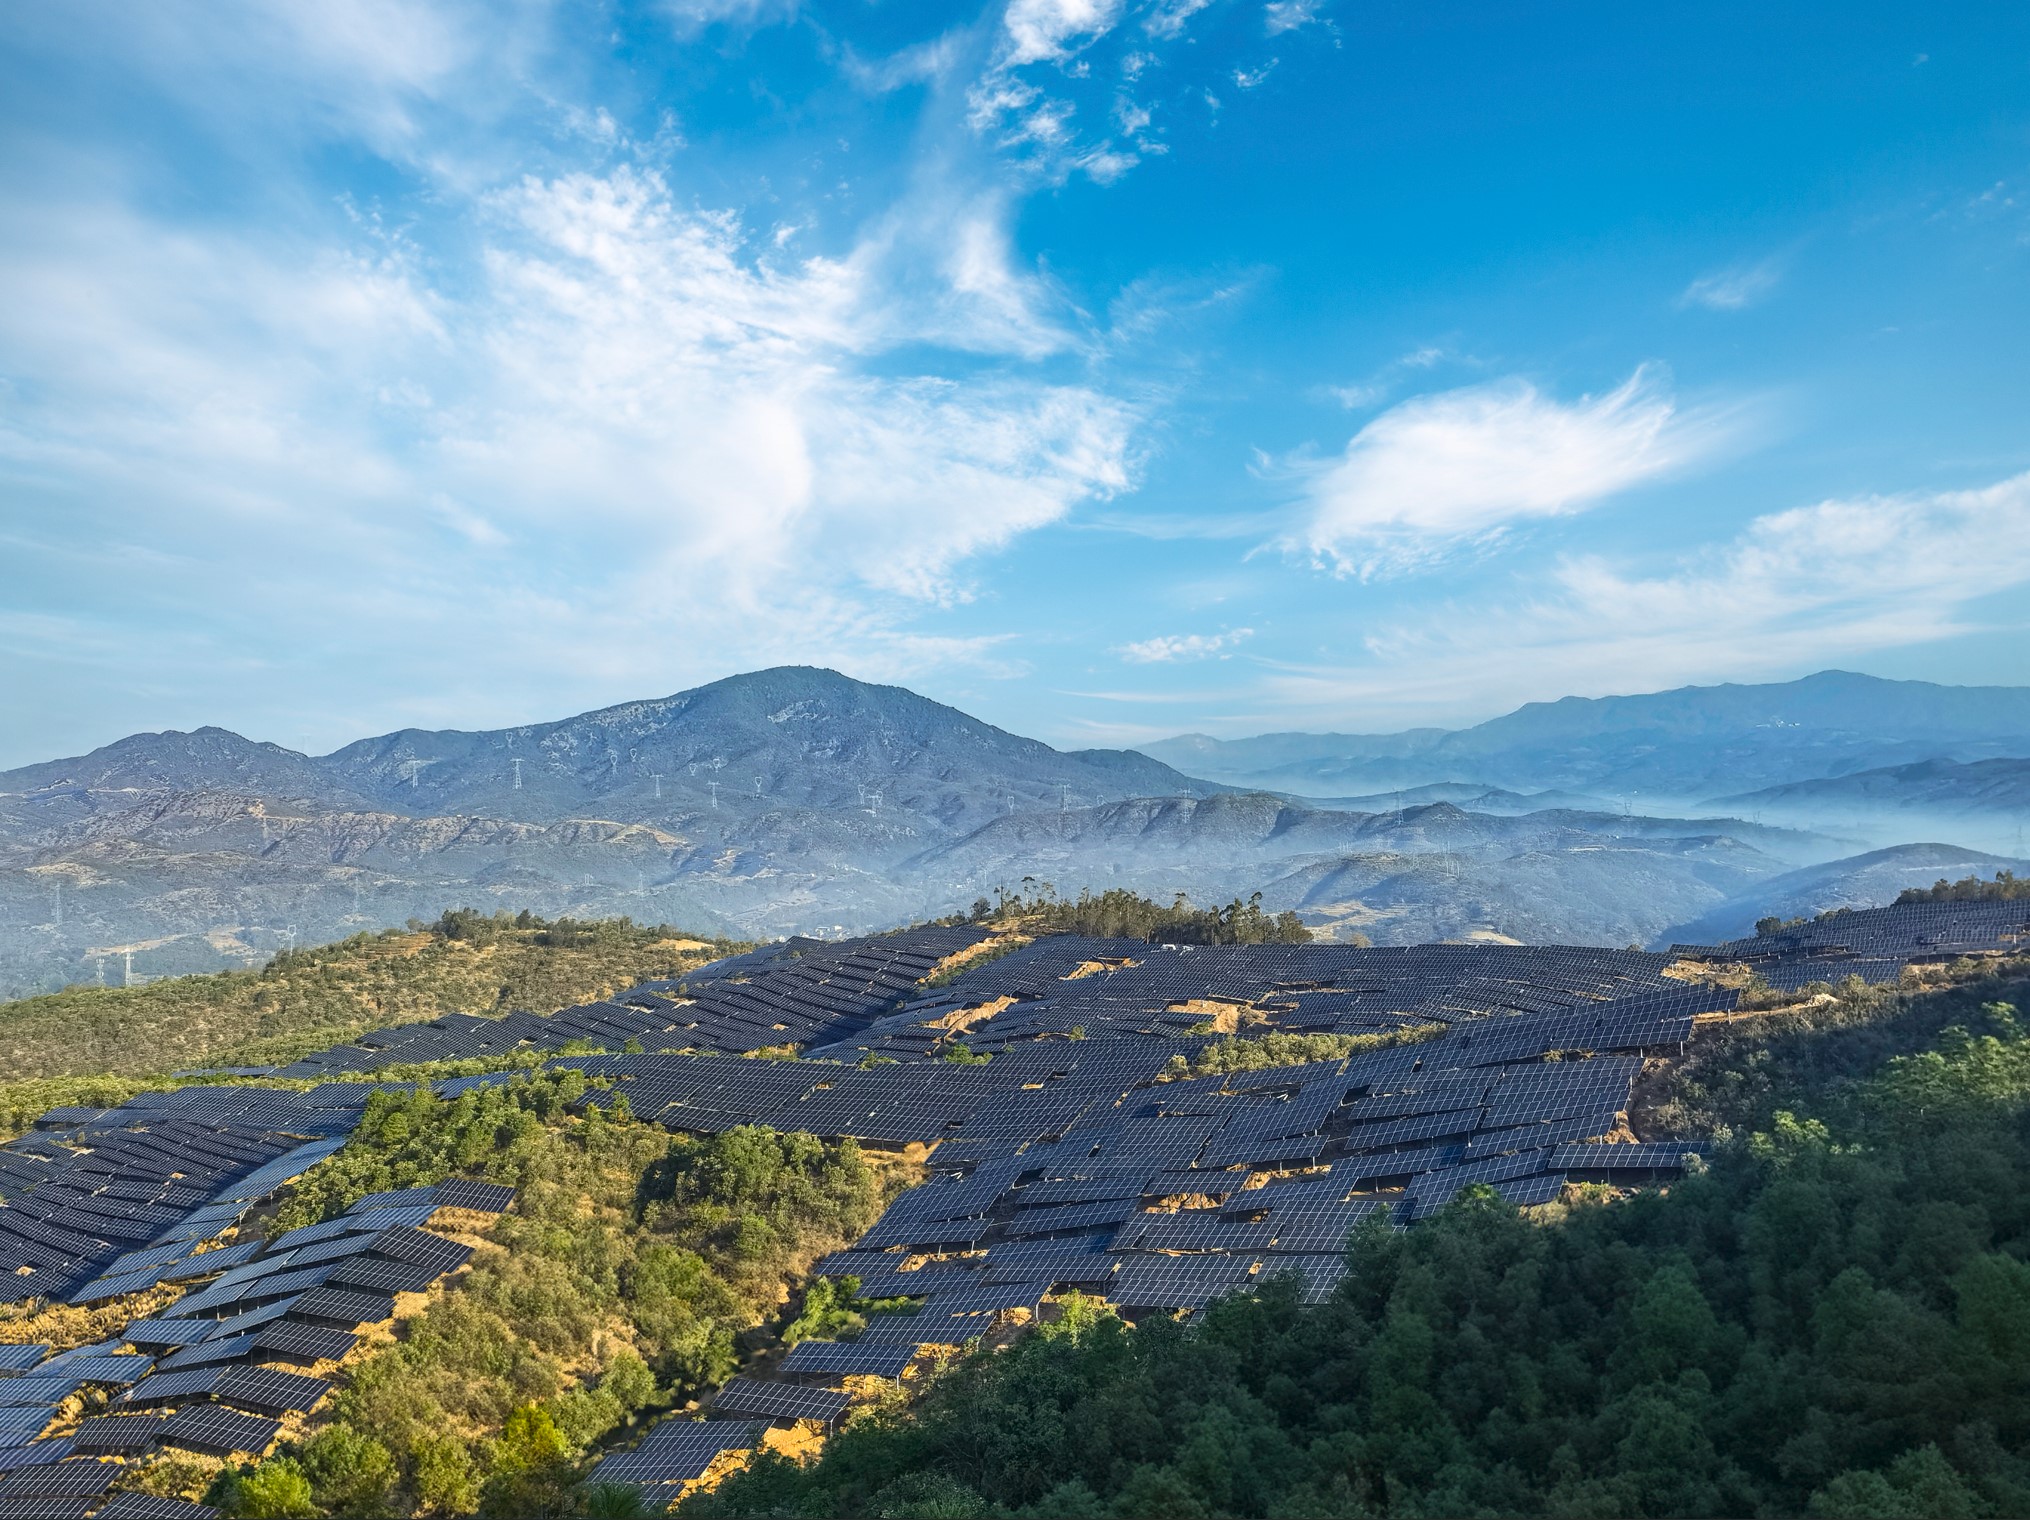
2001	785
797	800
1684	745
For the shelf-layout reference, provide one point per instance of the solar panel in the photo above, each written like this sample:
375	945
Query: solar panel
18	1359
305	1342
1651	1155
209	1354
373	1273
240	1324
111	1434
1185	1283
38	1390
42	1453
166	1332
75	1479
406	1243
678	1451
267	1391
219	1432
847	1359
24	1424
103	1288
170	1387
47	1508
781	1401
467	1193
401	1198
108	1371
343	1308
133	1505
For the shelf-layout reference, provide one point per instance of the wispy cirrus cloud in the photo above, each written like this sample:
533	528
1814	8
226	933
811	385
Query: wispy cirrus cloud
1172	648
1441	470
1734	288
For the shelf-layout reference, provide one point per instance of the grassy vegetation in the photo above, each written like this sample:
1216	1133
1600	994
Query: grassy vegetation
1121	914
1833	1319
308	999
631	1273
1739	1072
1276	1048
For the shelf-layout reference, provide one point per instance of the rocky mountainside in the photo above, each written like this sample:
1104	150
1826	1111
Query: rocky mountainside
1672	747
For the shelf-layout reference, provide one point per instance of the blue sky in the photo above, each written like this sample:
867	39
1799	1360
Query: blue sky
1109	369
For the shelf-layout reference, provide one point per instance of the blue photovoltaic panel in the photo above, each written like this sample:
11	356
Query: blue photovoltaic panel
847	1359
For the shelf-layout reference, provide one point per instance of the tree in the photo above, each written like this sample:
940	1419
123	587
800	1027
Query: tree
531	1467
350	1473
441	1470
276	1489
628	1379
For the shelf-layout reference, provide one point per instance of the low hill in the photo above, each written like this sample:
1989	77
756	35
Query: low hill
1861	881
2000	785
310	998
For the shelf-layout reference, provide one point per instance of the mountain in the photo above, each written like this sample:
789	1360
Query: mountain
1668	747
1859	881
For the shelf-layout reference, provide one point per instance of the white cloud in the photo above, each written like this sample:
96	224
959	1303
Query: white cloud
1461	465
1248	79
1733	288
1289	15
616	449
1169	648
1051	30
1792	592
1167	18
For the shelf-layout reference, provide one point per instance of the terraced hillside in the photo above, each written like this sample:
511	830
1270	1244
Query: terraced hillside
287	1298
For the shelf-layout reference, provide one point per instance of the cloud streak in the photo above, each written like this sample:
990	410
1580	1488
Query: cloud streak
1734	288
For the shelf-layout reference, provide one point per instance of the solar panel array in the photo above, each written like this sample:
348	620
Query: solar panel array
800	993
1067	1153
96	1204
218	1369
1875	943
1118	988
